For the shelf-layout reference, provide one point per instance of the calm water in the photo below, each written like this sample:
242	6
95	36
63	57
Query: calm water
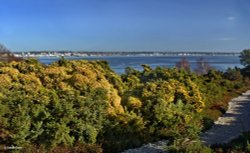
119	63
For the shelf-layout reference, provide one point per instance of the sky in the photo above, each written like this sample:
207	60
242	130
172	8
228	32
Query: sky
125	25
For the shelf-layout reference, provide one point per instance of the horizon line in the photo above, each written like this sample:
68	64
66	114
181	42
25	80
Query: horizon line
136	51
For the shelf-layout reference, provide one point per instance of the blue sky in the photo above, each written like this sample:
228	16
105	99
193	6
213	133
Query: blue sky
128	25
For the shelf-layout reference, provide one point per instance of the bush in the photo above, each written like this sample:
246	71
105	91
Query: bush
83	106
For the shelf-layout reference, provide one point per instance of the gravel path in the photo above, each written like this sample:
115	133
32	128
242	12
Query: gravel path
228	127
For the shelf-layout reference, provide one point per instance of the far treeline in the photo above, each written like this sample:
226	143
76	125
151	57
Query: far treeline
84	106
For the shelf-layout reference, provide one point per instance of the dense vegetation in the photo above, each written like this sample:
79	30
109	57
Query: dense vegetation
83	106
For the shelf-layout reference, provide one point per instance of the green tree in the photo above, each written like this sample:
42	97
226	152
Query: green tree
245	60
245	57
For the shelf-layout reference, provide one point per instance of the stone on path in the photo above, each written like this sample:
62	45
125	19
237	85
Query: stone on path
157	147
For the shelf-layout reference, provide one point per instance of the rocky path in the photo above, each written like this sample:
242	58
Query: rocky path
235	121
228	127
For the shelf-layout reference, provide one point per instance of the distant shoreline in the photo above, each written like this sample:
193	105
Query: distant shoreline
118	53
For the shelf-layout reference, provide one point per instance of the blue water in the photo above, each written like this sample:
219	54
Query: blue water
119	63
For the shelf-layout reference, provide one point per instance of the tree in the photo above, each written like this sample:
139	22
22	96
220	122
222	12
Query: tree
183	64
245	57
3	49
6	55
245	60
202	66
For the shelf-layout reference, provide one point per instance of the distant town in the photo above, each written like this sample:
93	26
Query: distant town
118	53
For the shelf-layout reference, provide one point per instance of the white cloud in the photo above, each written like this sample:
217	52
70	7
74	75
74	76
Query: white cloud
231	18
226	38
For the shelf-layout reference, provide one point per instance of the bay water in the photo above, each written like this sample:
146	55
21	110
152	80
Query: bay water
119	63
